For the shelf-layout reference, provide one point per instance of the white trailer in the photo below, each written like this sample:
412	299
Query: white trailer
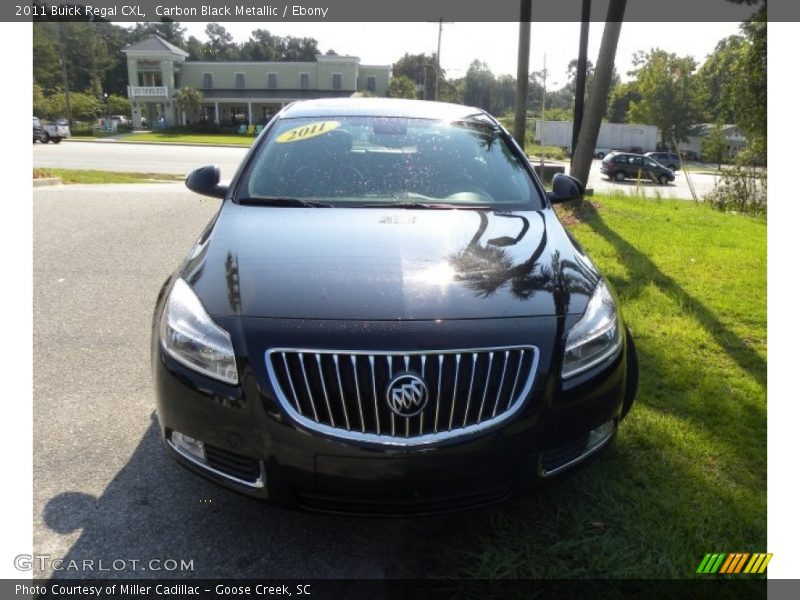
613	136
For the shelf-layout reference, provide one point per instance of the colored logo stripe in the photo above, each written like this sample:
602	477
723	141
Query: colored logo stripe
711	563
733	563
758	563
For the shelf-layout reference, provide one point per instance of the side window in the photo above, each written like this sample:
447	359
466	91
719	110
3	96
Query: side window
240	81
208	81
336	81
272	81
305	81
371	84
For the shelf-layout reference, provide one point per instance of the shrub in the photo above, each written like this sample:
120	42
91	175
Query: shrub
742	189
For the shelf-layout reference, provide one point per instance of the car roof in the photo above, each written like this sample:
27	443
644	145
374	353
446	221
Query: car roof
379	107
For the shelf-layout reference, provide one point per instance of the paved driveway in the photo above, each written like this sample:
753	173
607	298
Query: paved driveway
103	487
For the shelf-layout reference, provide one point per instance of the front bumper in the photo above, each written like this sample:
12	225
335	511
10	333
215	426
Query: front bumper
254	447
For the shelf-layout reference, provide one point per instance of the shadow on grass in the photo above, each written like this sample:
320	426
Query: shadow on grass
644	271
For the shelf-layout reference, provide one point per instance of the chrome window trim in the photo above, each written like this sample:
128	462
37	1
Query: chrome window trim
388	440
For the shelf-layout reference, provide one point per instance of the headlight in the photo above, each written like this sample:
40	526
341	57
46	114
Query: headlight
596	337
190	336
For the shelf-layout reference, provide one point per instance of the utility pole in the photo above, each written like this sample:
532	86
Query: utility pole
580	76
64	74
438	62
523	54
438	58
544	99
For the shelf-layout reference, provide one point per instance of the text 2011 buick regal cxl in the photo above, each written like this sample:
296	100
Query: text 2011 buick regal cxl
386	316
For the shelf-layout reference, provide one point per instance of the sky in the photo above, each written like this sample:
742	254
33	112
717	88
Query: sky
493	43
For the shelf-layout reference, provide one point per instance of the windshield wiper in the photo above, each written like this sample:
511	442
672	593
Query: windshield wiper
431	205
276	201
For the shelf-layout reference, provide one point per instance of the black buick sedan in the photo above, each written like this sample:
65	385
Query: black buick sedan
386	316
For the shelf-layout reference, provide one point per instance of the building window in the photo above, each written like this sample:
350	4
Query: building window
336	81
239	81
371	84
208	81
272	81
305	81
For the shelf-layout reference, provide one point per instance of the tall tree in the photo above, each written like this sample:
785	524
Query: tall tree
220	45
300	49
749	103
622	96
669	92
598	95
479	85
167	29
419	68
402	87
263	46
717	80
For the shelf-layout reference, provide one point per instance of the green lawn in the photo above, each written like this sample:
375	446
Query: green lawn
687	473
89	176
189	138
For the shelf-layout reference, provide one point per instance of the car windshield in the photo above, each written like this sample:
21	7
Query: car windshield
380	161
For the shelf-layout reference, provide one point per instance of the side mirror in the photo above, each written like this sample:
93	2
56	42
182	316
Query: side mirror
205	180
565	188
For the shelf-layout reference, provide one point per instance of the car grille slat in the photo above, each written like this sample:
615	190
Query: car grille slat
466	390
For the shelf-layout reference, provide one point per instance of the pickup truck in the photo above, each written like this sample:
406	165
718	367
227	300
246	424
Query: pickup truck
50	133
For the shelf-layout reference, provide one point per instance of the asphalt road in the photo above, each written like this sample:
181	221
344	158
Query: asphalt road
136	158
103	486
180	160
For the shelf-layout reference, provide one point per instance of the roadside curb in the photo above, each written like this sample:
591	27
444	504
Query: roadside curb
47	181
157	143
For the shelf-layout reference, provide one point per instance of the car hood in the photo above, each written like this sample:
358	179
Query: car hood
387	264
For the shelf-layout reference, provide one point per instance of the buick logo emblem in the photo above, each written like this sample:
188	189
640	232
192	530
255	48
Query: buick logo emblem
406	395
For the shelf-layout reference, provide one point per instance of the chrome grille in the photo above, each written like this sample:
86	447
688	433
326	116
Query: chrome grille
344	393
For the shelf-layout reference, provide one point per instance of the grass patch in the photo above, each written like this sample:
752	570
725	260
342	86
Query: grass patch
155	137
89	176
687	473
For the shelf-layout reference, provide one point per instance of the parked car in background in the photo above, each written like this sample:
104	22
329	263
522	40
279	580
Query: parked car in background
601	152
623	165
50	133
668	159
387	316
38	131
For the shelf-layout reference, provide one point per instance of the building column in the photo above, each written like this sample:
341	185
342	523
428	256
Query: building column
249	113
216	113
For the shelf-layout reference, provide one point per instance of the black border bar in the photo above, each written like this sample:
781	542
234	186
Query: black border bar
716	587
266	11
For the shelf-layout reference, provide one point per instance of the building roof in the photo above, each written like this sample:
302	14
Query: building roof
155	43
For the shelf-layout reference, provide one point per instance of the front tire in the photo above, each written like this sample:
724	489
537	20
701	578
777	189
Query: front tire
632	375
46	138
662	179
619	176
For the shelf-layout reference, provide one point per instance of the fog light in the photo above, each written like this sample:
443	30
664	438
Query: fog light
597	437
188	445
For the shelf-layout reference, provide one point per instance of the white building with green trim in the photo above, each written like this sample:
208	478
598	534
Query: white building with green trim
236	93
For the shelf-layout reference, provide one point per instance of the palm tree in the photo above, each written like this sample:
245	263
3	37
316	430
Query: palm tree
598	94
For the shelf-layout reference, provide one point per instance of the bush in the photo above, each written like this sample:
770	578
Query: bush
82	129
742	189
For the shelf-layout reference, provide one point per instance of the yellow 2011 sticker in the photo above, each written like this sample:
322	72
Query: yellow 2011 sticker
307	131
